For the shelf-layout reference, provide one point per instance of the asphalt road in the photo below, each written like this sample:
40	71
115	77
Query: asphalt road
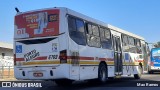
116	84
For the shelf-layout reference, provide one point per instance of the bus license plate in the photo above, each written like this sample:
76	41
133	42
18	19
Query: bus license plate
38	74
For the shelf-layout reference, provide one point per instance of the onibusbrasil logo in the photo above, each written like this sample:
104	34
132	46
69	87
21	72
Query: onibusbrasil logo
21	84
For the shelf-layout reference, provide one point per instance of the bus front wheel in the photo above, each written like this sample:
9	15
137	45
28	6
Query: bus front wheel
150	72
102	73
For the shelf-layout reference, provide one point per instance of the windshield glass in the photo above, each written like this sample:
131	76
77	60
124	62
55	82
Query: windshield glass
156	54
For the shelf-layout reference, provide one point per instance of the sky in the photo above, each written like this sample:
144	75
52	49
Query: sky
141	17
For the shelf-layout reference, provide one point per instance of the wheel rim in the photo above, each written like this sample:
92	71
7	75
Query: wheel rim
140	70
103	74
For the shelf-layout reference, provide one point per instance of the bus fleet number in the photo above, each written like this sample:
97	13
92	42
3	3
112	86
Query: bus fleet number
52	57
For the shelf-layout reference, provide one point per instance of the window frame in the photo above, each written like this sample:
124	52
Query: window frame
124	41
3	55
104	38
92	35
77	31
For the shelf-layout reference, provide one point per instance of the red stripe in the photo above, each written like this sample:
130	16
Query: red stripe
90	58
41	58
104	59
110	59
80	58
86	58
71	57
19	59
139	60
38	58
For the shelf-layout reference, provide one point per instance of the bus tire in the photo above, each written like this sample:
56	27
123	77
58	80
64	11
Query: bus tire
111	78
102	73
150	72
140	71
63	82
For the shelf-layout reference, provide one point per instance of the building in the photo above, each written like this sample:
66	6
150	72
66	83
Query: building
6	54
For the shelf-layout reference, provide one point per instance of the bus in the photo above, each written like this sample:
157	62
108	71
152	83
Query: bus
154	64
63	45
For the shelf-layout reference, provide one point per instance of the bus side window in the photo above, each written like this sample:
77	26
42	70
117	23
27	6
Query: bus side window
106	41
138	44
132	45
71	24
93	38
125	43
76	30
95	30
89	28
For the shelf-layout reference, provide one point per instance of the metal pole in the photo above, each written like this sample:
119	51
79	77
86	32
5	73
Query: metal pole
2	71
9	72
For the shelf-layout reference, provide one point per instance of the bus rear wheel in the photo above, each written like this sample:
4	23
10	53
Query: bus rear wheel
63	82
140	71
102	73
149	71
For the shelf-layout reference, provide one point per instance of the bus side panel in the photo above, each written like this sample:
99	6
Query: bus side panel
88	65
109	54
74	64
58	72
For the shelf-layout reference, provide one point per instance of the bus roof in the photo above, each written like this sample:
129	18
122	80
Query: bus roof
103	24
125	32
87	18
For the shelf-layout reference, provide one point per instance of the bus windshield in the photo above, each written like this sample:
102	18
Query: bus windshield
156	53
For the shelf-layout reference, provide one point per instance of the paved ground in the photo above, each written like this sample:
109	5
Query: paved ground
117	84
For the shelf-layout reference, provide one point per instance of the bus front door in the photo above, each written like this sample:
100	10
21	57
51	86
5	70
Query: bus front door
117	55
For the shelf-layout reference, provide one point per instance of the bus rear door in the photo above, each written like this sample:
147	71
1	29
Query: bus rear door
117	55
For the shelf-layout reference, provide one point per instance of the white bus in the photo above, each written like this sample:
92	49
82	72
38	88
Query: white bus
63	45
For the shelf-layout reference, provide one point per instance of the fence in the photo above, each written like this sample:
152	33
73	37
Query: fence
6	72
6	67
